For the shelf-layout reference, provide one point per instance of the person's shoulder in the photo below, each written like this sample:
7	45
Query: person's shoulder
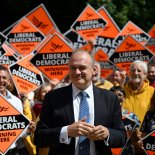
61	88
151	88
106	92
13	97
59	91
15	102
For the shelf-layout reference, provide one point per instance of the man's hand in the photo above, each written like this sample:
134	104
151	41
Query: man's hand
98	133
80	128
31	128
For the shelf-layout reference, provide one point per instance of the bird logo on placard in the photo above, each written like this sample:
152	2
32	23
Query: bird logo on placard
38	23
88	15
130	30
129	45
24	27
3	109
28	64
100	57
106	28
55	46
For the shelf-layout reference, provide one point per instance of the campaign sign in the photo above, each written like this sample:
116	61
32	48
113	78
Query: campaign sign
26	76
105	39
89	24
2	39
41	19
24	37
152	32
89	47
52	58
2	51
55	31
12	124
129	51
129	124
107	67
149	143
107	44
77	42
75	39
136	32
9	57
151	42
116	151
7	48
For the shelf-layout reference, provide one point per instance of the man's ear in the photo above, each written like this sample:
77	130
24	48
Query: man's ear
10	83
145	75
95	70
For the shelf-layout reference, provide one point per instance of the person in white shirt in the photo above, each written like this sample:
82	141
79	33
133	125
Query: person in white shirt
15	102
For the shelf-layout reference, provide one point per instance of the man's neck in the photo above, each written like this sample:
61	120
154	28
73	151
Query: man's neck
136	86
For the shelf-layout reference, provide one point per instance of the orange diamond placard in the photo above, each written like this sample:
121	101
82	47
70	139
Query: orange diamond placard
25	37
136	32
25	75
129	51
107	67
52	58
9	57
111	30
89	24
105	39
41	19
12	124
151	42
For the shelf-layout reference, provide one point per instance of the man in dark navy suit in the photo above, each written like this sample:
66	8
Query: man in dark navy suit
60	128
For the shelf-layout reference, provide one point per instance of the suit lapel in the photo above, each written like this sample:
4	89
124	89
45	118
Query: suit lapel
97	106
69	105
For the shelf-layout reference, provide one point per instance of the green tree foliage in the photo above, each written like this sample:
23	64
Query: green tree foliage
140	12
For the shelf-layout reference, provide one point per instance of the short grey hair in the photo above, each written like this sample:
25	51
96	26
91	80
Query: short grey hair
83	51
143	64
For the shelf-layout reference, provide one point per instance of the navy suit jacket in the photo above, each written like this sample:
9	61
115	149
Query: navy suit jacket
57	111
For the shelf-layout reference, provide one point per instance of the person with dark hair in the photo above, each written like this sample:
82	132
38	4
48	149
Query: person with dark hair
151	74
119	91
129	148
80	119
148	124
